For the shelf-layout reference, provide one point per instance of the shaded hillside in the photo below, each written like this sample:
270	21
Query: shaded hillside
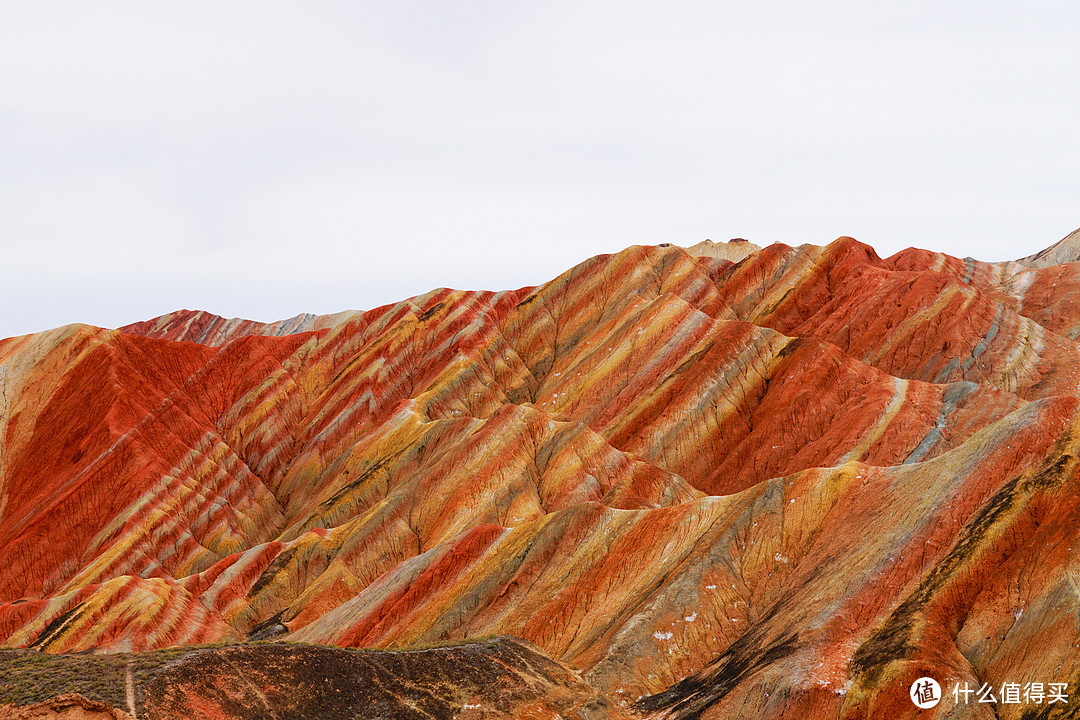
782	487
499	678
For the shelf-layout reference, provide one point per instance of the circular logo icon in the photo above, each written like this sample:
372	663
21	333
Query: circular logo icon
925	693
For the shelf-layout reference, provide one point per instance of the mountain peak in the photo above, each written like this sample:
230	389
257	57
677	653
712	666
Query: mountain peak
734	250
1064	250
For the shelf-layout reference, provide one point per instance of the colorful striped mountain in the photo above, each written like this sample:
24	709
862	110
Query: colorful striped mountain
784	486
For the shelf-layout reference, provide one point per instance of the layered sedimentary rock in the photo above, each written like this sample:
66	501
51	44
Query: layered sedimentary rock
1066	250
780	487
734	250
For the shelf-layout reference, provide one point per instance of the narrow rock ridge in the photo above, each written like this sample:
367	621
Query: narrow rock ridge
1066	250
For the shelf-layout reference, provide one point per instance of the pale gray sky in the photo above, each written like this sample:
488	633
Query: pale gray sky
261	159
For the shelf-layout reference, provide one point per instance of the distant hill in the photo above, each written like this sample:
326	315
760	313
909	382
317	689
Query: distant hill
1063	251
733	250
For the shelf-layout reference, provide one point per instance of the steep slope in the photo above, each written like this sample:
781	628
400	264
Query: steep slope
1065	250
930	596
775	487
914	320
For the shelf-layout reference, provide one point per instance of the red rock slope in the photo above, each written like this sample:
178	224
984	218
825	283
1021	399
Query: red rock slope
783	487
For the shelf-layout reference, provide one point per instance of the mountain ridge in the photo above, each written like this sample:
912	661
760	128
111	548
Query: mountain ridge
648	467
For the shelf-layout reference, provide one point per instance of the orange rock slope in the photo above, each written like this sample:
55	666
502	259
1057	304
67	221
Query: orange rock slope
782	487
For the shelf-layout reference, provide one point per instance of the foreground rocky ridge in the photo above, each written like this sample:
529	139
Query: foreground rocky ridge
496	678
782	487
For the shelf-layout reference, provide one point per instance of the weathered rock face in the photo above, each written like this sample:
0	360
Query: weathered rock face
496	678
499	679
734	250
1066	250
63	707
782	487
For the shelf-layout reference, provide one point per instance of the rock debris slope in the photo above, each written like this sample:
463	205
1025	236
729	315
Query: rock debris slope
780	487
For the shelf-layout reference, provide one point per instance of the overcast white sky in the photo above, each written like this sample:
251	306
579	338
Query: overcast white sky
261	159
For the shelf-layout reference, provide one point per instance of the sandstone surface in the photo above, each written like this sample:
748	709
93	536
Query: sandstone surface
784	485
71	706
734	250
1066	250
